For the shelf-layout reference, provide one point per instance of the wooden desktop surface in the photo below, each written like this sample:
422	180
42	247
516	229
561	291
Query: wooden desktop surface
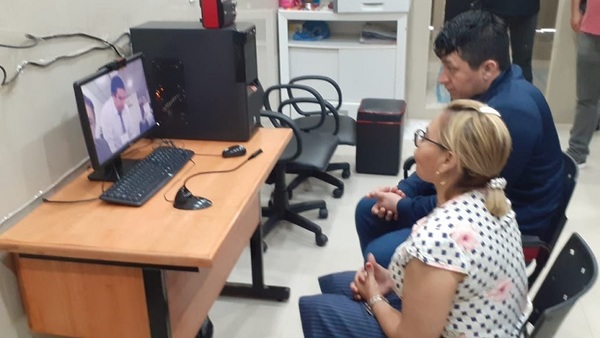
155	233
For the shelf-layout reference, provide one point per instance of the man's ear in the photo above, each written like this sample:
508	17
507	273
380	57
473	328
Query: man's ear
489	69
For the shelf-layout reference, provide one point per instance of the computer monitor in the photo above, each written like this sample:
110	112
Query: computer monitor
115	112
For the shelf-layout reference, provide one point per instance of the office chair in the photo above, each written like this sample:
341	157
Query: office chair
342	125
407	166
305	152
573	273
309	97
539	249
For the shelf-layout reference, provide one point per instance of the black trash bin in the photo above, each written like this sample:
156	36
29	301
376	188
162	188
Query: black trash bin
379	128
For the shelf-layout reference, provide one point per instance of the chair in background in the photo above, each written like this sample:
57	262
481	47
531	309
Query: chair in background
407	166
538	249
338	124
570	277
306	152
324	112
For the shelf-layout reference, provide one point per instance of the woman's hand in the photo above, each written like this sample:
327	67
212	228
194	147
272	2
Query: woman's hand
371	280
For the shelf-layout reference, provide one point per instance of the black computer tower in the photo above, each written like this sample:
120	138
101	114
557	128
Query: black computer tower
203	82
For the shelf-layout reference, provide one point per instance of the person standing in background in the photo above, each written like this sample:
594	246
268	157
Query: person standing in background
520	17
587	109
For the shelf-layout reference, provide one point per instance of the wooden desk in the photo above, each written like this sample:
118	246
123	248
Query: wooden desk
100	270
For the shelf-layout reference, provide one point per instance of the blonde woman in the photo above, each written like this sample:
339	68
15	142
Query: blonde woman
461	272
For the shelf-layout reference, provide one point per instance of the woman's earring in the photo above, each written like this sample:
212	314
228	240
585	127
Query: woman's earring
437	172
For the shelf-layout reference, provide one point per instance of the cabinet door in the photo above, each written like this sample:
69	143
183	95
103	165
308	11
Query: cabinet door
312	61
367	73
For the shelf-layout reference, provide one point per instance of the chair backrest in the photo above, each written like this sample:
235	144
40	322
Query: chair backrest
541	253
572	275
312	79
570	174
407	166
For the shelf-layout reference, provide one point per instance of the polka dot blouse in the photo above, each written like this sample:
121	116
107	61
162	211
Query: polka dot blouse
462	236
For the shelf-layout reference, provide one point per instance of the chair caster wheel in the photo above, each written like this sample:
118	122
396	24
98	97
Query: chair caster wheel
323	213
337	193
264	246
345	173
321	239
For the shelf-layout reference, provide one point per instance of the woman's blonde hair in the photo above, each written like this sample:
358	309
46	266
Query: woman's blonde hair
479	139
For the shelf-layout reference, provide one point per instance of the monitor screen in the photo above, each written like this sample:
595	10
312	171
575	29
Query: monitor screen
114	109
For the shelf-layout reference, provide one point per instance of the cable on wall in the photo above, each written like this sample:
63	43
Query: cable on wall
45	63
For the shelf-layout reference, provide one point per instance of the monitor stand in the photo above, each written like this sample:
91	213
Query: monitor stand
112	171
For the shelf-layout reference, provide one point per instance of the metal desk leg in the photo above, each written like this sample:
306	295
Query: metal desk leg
257	289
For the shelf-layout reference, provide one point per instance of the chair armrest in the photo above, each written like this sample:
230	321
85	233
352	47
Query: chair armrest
326	79
314	97
408	163
280	120
330	109
530	241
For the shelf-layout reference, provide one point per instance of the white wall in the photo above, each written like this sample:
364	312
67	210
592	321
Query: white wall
560	91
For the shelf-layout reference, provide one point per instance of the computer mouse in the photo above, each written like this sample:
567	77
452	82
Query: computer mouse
185	200
234	151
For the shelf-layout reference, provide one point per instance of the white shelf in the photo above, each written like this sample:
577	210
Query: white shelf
361	69
329	15
339	42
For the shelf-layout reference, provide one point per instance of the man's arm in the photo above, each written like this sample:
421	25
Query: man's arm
410	210
414	186
576	15
106	129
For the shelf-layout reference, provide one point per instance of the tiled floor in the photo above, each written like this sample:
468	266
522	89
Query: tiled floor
294	260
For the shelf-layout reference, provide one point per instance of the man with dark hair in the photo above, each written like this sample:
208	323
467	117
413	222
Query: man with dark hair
116	123
473	48
520	17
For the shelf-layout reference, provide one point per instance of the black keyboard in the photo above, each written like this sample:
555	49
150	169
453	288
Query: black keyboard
147	176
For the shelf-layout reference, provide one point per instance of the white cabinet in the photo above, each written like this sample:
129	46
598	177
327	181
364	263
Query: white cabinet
362	70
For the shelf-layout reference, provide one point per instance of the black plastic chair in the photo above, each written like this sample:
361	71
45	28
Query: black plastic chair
311	152
323	111
537	248
573	273
338	124
407	166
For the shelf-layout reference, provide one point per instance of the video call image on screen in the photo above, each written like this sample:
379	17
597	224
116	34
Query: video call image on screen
118	108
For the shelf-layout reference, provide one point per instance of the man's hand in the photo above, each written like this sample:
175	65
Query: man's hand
380	209
371	280
576	18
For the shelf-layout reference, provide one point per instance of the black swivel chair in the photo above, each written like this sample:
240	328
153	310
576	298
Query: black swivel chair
341	125
305	152
570	277
323	111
